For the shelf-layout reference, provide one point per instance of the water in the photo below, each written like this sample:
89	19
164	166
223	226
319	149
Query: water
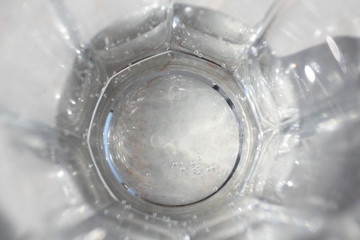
183	118
164	120
167	125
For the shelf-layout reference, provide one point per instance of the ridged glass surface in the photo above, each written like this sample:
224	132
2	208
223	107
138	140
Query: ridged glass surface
167	120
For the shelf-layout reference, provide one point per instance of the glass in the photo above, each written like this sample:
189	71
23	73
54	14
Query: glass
179	120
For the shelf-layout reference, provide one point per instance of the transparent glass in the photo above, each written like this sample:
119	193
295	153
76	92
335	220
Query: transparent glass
157	119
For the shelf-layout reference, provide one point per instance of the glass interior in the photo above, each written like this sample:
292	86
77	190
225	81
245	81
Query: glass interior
179	120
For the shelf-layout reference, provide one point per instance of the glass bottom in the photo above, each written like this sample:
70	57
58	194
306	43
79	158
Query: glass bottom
166	130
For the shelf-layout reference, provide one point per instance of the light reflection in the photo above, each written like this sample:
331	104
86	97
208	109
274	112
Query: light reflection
62	29
328	126
175	22
96	234
334	48
188	9
309	73
336	52
106	146
317	33
107	153
60	174
69	112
